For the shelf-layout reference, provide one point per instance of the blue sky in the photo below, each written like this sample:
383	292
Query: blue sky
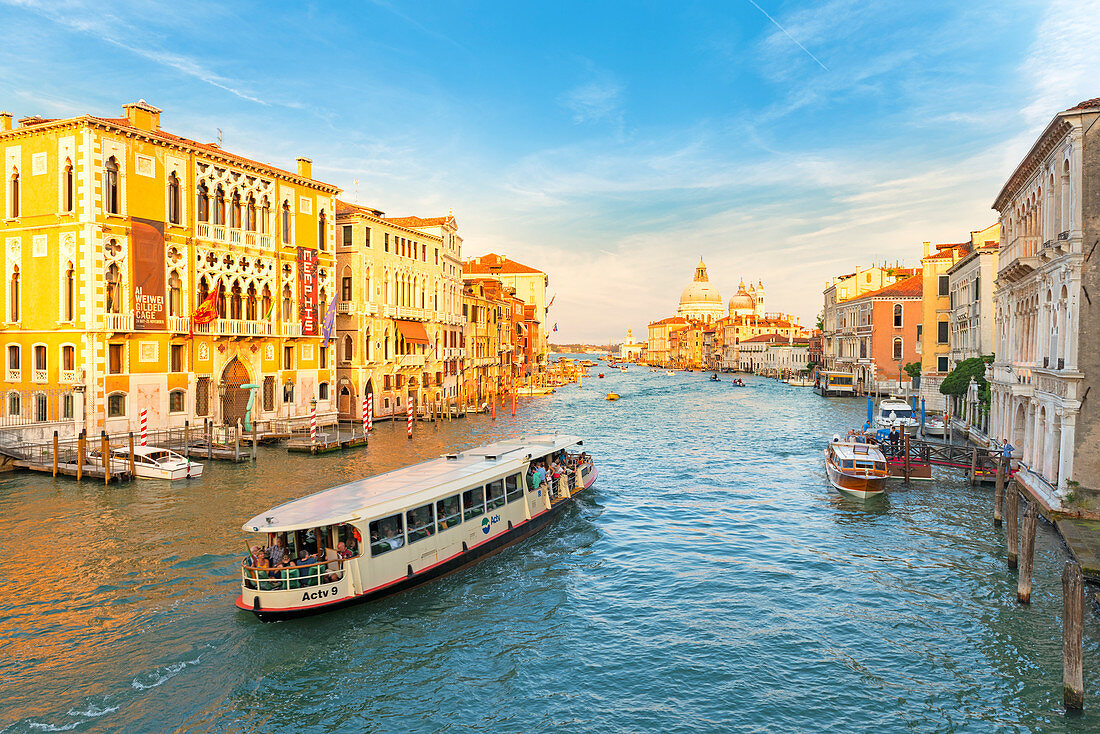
610	144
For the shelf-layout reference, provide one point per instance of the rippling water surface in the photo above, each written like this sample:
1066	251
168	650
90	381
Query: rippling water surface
711	581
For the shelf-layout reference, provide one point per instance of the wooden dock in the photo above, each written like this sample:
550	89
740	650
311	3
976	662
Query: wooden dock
913	458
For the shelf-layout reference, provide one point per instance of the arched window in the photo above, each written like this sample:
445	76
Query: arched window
285	223
349	348
116	405
40	358
288	313
897	315
221	302
897	347
175	294
345	285
173	198
250	303
13	194
219	205
321	239
235	211
204	289
110	186
13	357
68	358
68	185
250	214
265	304
386	345
265	209
235	301
70	293
202	202
111	278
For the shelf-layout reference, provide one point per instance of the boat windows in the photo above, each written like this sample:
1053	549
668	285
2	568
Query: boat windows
495	494
449	512
846	464
473	502
880	465
420	522
386	534
513	487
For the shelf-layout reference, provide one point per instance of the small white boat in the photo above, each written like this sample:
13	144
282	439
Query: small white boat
855	466
934	426
670	372
896	413
151	462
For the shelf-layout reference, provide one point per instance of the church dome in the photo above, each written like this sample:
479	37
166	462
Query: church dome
742	301
701	298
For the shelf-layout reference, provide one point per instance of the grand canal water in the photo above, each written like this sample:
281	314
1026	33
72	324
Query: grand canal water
710	582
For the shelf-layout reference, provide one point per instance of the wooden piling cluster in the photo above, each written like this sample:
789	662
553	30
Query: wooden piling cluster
1020	552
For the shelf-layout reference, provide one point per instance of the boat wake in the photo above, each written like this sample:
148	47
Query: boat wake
162	674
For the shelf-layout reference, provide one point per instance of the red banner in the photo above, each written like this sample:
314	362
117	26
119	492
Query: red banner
147	245
307	290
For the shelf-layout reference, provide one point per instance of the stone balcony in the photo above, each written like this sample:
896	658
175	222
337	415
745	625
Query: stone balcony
1018	258
232	235
118	322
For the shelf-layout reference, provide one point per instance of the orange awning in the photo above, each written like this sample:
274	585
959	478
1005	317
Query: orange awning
413	331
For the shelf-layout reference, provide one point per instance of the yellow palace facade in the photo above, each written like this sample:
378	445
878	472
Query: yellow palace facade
113	232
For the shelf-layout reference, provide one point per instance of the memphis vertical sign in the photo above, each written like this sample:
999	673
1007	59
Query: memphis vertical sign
307	290
150	307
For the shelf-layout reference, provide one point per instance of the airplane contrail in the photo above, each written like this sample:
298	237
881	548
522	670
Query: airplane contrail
788	35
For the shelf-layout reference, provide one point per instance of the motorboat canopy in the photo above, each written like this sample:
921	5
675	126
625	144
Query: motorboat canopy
392	491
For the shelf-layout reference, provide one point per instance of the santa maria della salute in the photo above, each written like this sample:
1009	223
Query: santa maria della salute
707	333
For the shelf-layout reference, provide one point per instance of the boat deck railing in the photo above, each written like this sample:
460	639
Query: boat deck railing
278	578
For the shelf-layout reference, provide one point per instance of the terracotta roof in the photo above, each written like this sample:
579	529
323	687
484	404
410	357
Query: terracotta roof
1088	104
909	288
343	207
770	338
207	147
493	263
420	221
670	320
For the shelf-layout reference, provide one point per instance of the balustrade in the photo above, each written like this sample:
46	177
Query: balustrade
39	376
118	321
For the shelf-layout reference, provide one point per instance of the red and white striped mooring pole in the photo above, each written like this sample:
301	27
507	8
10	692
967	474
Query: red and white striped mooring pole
409	406
313	425
366	415
143	421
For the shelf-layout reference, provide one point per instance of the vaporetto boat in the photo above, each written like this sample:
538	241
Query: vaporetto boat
388	533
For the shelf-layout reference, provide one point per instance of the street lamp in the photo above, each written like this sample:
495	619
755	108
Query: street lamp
223	387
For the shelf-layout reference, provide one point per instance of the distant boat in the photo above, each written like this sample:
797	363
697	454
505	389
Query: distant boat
600	375
896	413
612	396
670	372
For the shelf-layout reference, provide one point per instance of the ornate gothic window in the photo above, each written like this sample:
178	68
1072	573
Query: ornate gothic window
70	293
321	239
219	205
285	223
235	211
202	202
265	304
110	186
114	293
173	198
250	303
13	295
288	313
175	294
235	301
250	215
68	187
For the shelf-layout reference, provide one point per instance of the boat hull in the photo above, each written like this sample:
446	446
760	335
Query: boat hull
861	487
456	563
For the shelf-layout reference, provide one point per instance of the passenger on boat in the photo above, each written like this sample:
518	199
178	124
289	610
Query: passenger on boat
265	574
277	551
395	540
532	478
344	552
288	574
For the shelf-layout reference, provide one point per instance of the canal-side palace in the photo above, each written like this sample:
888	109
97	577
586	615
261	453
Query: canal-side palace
1020	295
146	272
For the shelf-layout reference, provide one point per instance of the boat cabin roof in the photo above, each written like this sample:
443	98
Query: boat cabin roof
858	451
394	490
147	451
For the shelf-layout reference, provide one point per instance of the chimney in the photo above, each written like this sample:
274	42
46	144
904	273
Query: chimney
142	115
5	121
305	167
926	246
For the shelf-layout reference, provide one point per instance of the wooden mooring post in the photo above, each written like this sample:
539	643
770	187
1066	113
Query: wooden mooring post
999	493
1027	554
208	429
1073	612
1012	500
105	456
973	466
237	442
253	437
186	440
80	454
905	440
55	453
133	473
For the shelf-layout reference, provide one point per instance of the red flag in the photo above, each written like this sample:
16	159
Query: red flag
207	310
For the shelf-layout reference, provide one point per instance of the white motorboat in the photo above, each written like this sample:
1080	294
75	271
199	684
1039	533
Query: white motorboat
934	426
896	413
670	372
151	462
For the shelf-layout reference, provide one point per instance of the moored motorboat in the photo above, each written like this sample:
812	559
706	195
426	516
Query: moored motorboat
896	413
934	425
384	534
151	462
855	466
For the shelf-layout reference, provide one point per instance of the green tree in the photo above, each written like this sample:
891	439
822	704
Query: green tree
957	382
913	369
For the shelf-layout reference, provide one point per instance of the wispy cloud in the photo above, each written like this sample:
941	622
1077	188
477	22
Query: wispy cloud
1063	63
598	99
787	34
